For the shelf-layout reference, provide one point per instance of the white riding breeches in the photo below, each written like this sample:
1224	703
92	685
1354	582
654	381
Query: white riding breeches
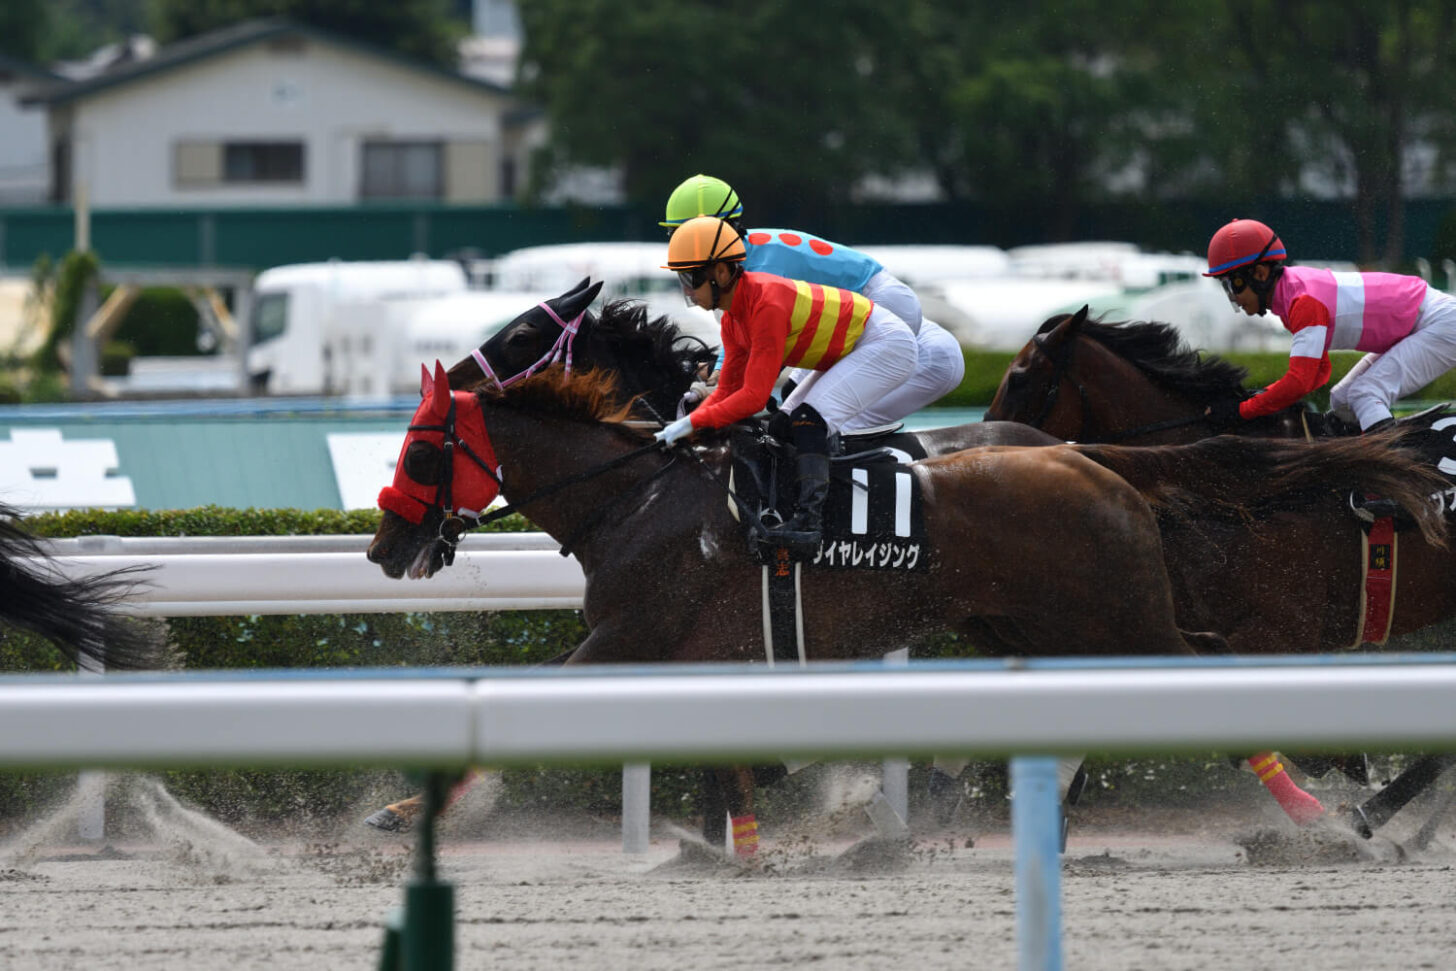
938	371
1377	381
889	292
882	360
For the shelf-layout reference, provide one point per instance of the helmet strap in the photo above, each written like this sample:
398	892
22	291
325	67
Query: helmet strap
1264	289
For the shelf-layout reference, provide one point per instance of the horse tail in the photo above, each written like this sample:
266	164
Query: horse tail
1245	476
79	616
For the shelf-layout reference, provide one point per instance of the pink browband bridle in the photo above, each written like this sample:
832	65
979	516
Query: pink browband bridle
560	350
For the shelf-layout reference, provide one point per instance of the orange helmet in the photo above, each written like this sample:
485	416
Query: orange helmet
703	241
1242	242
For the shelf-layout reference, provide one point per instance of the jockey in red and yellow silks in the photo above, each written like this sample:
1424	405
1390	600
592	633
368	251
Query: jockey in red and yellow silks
777	323
858	351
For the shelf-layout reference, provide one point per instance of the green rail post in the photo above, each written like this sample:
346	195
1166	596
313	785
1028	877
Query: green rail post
423	938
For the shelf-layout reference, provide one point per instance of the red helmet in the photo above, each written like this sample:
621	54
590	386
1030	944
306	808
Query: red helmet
1241	243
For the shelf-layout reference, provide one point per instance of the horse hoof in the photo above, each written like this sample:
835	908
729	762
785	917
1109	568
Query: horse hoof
388	821
1361	822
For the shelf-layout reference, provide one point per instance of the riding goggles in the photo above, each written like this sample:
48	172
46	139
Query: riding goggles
694	278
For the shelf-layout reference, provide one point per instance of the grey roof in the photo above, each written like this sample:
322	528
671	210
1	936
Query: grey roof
227	39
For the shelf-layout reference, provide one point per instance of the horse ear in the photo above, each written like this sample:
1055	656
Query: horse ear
427	383
440	391
1064	331
574	302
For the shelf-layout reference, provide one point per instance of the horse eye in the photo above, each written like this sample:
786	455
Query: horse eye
422	463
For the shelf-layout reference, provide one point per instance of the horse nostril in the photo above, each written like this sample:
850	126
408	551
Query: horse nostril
375	553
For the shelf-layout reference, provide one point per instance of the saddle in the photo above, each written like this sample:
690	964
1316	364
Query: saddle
873	517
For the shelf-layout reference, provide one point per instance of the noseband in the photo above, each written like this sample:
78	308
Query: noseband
561	350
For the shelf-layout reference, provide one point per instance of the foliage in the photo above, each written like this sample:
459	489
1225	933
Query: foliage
423	29
780	100
77	271
162	321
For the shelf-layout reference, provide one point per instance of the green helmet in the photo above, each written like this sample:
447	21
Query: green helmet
702	195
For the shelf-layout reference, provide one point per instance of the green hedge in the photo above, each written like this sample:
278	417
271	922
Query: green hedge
984	370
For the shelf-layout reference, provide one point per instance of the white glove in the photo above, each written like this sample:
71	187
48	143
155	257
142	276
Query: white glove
679	429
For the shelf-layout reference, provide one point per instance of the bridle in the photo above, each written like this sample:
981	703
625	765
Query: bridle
1061	360
559	351
455	523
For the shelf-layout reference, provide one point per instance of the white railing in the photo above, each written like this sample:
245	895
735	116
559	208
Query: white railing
217	576
742	714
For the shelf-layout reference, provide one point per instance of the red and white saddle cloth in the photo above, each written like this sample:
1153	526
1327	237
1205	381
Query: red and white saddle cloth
1377	582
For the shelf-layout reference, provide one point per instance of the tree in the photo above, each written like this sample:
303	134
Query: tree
22	29
424	29
1335	91
778	98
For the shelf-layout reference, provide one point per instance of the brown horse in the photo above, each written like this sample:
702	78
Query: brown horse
1133	383
1293	583
654	365
1138	382
1063	521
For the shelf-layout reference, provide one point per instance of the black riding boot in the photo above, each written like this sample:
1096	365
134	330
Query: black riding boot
802	533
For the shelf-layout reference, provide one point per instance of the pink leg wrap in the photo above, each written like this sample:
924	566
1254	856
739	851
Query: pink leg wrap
1300	805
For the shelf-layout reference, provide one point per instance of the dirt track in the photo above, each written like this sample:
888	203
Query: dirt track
1181	892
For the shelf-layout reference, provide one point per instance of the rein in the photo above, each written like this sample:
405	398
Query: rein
561	350
454	524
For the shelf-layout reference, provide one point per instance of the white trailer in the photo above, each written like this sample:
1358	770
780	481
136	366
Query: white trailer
302	314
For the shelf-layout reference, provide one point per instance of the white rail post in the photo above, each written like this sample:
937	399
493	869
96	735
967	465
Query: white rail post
636	806
895	772
90	783
1036	837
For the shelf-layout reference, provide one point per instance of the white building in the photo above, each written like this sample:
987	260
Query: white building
270	112
24	169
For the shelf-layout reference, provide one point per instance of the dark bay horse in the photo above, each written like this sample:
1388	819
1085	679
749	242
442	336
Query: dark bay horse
1063	519
1292	584
1296	585
78	616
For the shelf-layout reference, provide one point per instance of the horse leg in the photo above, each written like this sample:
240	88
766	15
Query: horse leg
736	782
714	809
1376	811
400	816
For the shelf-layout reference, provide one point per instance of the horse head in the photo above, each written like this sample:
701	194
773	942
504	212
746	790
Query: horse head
1031	387
540	336
445	477
651	356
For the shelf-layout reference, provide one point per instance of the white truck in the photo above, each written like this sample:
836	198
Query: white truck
364	328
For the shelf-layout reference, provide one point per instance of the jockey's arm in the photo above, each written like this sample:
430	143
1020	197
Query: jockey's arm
1309	363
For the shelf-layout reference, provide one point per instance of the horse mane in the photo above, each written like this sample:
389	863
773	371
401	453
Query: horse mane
1156	349
79	616
590	395
1243	477
651	343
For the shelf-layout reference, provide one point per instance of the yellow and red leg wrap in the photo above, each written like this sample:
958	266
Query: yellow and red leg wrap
745	835
1300	805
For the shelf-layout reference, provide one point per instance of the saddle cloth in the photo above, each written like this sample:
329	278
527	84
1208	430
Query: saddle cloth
873	518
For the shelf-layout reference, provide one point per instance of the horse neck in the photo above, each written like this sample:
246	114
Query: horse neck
1121	398
538	451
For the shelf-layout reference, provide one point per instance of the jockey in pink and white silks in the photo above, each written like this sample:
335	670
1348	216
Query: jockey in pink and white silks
1407	326
801	256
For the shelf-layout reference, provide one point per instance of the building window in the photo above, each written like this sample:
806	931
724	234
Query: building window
262	162
402	170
